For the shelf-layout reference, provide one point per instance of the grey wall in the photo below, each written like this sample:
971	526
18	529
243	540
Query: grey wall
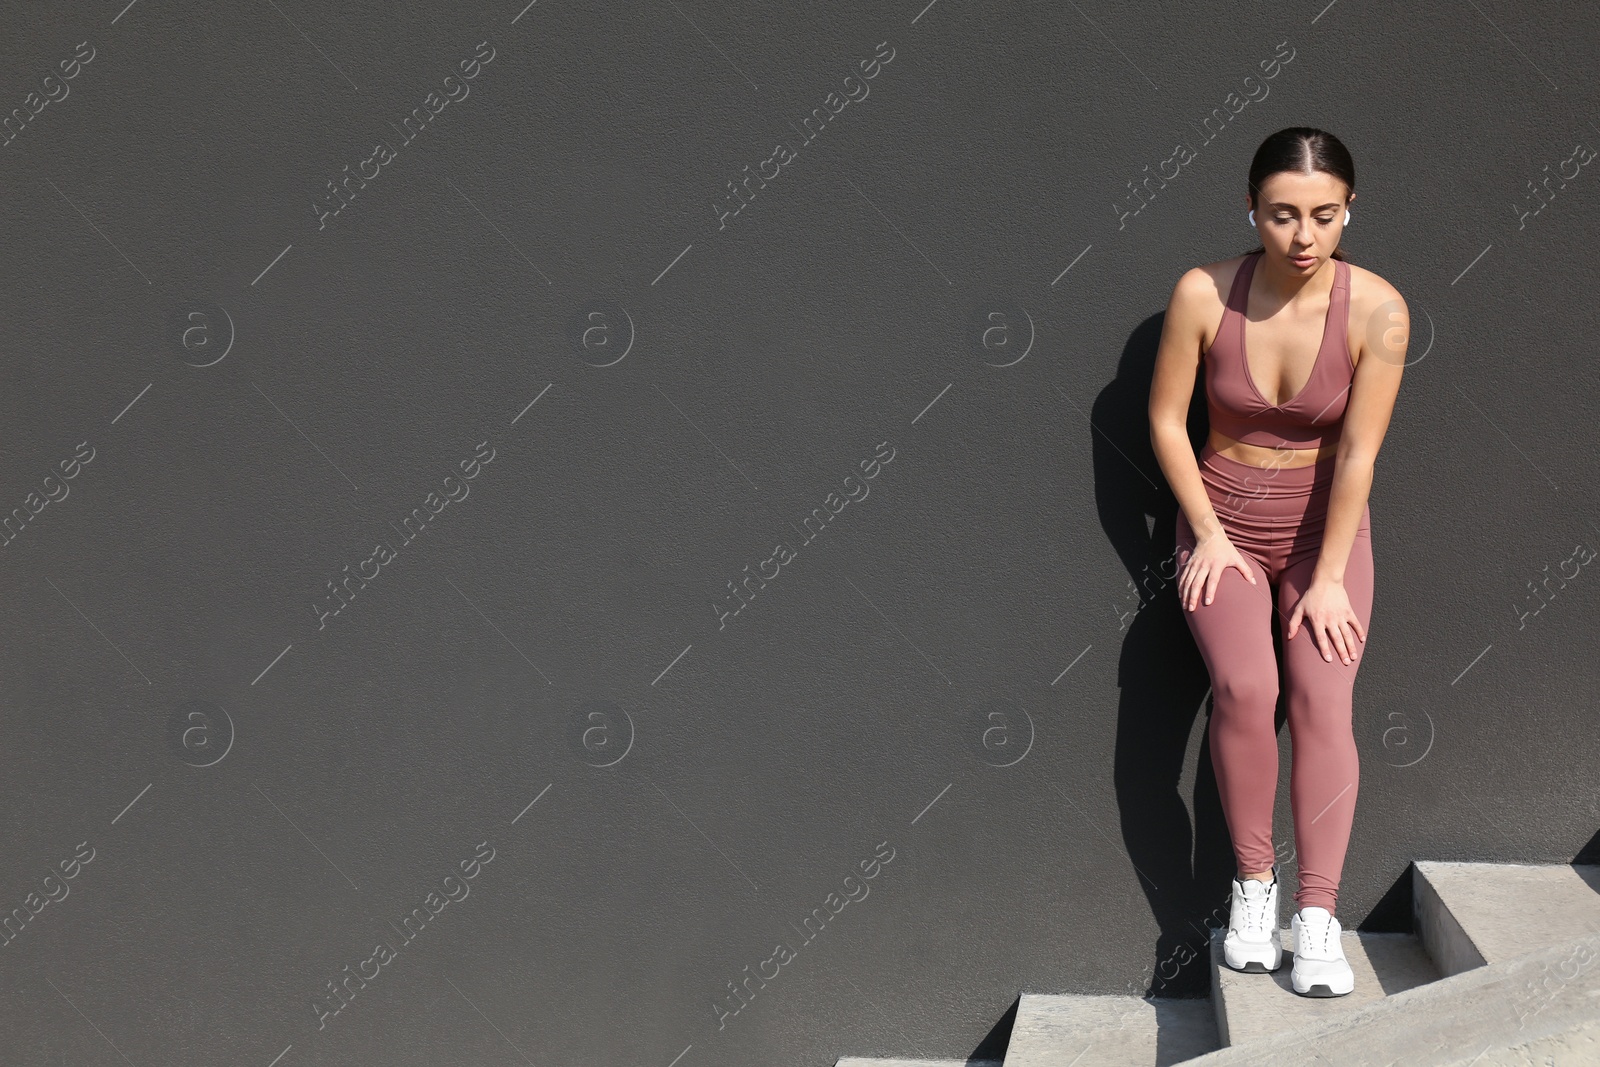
960	728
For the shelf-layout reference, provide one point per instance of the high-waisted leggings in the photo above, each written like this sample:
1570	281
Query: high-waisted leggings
1275	518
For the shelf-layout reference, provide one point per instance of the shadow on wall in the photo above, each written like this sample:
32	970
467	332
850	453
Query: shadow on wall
1181	852
1590	852
992	1049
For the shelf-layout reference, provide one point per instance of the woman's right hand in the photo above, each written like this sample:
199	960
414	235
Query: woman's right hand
1203	566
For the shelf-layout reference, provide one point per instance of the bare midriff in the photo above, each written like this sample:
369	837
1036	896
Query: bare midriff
1263	456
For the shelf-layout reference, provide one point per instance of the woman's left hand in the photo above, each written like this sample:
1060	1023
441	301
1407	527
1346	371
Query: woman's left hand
1326	611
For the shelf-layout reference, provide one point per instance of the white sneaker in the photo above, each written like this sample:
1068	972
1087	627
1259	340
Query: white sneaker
1253	941
1320	969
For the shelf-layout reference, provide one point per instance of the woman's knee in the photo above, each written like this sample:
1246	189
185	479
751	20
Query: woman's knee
1246	690
1321	718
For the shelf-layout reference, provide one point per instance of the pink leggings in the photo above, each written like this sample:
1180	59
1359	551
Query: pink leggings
1275	517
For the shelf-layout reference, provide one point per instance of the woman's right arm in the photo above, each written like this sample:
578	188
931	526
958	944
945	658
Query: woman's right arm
1171	390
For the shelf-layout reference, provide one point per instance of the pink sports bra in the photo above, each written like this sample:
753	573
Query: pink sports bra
1315	413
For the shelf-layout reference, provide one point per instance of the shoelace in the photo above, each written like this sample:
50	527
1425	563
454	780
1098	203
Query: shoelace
1255	909
1318	935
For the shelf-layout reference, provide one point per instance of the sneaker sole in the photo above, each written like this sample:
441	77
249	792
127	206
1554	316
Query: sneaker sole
1254	967
1316	988
1320	990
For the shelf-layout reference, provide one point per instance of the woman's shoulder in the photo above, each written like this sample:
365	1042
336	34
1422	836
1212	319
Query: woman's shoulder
1223	269
1207	286
1377	311
1200	297
1372	296
1371	286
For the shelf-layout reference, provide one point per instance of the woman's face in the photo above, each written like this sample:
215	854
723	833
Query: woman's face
1301	215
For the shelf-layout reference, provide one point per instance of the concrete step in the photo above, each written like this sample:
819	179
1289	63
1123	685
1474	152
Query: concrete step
1504	969
1250	1007
1109	1031
1472	914
1537	1009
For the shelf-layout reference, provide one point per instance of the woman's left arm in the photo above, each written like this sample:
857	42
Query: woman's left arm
1384	332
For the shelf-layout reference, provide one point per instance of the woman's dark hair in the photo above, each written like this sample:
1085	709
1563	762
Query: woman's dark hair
1302	150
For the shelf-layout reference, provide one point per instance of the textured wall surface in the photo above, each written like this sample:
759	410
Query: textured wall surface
561	533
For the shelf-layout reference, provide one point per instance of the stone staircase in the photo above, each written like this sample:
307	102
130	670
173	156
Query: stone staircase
1503	968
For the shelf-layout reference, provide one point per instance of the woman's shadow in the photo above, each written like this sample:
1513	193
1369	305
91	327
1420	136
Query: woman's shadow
1182	854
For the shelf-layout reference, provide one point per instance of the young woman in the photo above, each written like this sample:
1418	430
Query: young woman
1302	355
